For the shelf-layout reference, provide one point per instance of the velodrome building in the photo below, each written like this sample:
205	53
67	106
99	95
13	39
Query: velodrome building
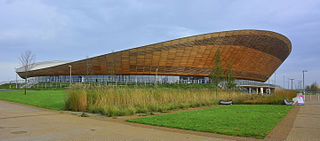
254	55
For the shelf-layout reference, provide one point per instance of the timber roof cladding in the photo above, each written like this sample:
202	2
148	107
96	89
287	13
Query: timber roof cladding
255	55
268	45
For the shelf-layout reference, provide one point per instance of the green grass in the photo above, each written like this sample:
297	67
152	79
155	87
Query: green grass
238	120
49	99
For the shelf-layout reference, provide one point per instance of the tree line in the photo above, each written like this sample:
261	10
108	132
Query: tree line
313	87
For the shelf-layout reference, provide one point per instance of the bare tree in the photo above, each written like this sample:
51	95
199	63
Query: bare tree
27	62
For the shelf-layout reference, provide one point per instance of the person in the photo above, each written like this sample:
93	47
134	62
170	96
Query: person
300	100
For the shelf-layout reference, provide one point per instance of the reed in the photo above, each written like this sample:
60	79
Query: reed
77	99
121	101
276	98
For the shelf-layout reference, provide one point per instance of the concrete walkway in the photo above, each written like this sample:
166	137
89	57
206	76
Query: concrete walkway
306	127
18	122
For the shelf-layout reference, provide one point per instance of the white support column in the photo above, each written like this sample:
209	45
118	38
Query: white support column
257	89
269	90
250	90
261	90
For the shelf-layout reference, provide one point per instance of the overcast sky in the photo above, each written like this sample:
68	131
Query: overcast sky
74	29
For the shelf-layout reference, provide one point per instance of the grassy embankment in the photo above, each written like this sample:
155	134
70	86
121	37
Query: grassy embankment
239	120
49	99
128	101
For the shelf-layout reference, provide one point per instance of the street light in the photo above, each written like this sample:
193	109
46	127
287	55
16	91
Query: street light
291	84
304	91
70	74
155	81
16	78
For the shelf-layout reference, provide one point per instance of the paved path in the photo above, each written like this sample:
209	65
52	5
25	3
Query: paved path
306	127
19	122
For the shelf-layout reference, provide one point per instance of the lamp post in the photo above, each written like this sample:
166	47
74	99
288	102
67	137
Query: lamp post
70	67
304	91
275	78
155	81
16	78
284	81
291	84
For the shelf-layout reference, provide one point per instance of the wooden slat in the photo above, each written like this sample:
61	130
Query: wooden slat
254	54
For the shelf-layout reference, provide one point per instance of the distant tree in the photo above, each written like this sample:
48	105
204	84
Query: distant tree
230	77
217	75
27	62
314	86
308	88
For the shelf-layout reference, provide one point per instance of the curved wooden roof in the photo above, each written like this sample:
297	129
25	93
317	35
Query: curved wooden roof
255	55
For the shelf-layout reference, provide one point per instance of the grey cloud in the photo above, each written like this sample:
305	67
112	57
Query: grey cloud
71	30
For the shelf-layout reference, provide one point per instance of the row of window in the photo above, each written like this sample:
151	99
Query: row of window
134	78
121	78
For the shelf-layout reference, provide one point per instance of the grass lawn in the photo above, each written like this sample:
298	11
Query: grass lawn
238	120
49	99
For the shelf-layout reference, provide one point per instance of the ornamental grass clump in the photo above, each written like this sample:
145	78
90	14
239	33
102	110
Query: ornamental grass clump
120	101
77	99
276	98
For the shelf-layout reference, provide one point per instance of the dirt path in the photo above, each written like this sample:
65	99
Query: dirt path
19	122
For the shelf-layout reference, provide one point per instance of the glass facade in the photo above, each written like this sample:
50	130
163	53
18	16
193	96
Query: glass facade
135	79
121	78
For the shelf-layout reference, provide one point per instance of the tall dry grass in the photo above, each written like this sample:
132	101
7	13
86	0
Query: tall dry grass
276	98
77	99
127	101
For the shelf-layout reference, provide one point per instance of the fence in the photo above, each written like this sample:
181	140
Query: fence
311	98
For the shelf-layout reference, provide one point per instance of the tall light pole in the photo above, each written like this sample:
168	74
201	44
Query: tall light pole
300	85
275	78
304	91
155	81
70	67
291	84
284	82
16	79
